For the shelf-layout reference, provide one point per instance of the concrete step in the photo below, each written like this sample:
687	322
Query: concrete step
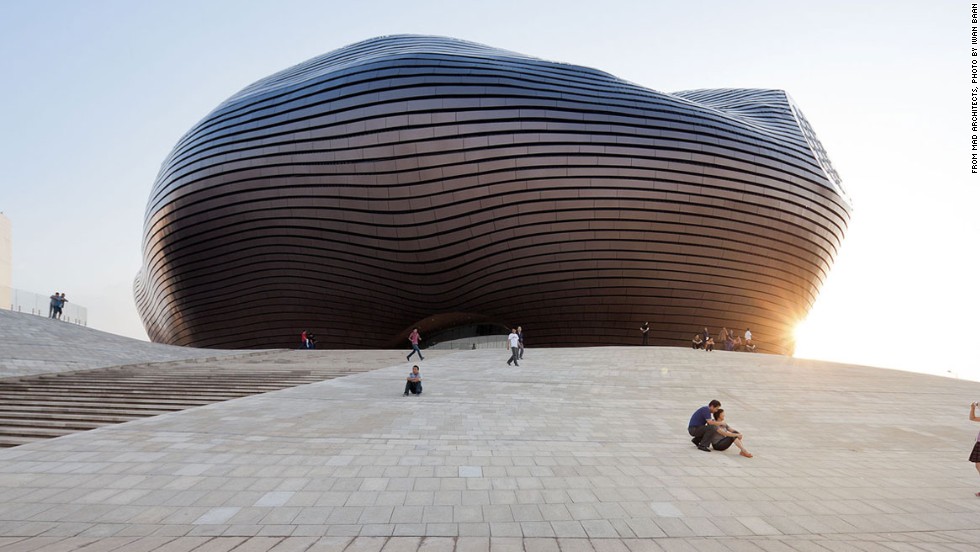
97	406
229	381
49	423
177	391
18	431
31	397
46	414
7	441
83	394
85	410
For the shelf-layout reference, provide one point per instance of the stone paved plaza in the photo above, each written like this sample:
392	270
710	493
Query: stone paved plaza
32	345
577	450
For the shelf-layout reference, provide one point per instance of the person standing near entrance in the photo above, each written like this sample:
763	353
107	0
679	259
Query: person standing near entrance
515	343
414	338
645	330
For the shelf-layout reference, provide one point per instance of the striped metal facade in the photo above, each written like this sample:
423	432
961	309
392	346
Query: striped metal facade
425	181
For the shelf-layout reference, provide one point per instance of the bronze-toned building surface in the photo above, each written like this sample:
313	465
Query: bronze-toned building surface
426	181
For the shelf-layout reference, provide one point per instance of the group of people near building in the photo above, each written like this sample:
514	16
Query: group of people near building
728	339
307	340
704	340
708	427
413	383
57	305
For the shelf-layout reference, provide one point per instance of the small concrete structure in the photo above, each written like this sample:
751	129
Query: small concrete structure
576	450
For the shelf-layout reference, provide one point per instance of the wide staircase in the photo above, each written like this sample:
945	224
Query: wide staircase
58	378
51	405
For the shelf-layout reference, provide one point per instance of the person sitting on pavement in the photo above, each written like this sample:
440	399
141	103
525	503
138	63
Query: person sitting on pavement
413	383
703	426
725	435
697	342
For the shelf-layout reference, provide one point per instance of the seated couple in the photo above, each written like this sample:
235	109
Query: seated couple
413	383
699	343
708	427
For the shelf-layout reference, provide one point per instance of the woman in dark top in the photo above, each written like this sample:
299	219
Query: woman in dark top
725	436
975	455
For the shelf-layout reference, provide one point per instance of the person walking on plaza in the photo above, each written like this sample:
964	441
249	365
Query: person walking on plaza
703	426
303	339
414	339
515	342
975	455
645	330
413	383
520	342
52	305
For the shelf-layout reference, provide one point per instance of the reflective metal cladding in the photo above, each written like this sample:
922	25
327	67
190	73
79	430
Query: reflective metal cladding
425	181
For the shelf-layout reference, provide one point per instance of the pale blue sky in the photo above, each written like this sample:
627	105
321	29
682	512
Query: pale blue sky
94	95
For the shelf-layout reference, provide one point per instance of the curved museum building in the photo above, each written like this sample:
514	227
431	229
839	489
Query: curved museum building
425	181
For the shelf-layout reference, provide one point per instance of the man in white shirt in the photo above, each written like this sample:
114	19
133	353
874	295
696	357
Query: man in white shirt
749	346
515	343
